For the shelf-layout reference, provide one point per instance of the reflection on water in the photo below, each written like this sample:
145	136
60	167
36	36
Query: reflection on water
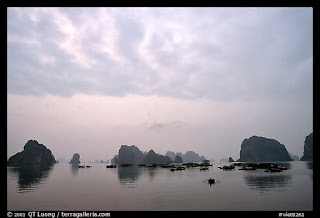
269	182
310	165
31	176
128	176
74	169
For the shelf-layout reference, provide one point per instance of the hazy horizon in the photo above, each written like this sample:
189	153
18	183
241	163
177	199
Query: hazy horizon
89	80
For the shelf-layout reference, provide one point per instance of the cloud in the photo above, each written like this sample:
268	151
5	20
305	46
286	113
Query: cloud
217	53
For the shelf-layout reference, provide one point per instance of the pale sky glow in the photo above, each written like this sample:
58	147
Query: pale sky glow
88	80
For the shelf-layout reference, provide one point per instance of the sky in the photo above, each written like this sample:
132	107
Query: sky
89	80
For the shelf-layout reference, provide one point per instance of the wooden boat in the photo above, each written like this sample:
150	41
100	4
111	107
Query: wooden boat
126	165
180	168
111	166
172	169
231	167
88	166
211	181
82	166
247	168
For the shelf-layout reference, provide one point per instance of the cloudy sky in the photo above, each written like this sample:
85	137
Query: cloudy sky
88	80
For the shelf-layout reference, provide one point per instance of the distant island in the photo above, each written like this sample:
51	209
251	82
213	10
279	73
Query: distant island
33	153
133	155
75	159
188	157
260	149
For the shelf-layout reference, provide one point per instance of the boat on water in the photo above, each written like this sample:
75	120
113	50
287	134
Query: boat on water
211	180
82	166
204	168
126	165
180	168
225	167
247	168
111	166
88	166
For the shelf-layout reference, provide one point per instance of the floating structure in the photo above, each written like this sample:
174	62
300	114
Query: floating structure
111	166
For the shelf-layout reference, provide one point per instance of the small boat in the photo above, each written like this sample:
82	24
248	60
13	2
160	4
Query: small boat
247	168
88	166
180	168
231	167
204	168
211	181
275	170
111	166
126	165
172	169
82	166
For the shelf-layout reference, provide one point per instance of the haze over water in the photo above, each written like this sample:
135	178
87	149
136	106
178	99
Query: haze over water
64	187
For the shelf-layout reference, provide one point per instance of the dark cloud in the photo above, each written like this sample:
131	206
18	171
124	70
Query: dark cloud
219	53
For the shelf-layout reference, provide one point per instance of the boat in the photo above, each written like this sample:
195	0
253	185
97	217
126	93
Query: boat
111	166
88	166
247	168
172	169
82	166
180	168
275	170
126	165
231	167
204	168
211	181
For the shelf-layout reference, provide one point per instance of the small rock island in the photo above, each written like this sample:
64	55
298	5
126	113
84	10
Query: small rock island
75	159
33	153
260	149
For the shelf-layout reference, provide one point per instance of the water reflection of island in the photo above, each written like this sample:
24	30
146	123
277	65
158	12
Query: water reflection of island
268	182
30	176
128	176
74	169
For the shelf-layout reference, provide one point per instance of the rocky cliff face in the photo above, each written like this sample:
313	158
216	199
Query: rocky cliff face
260	149
33	153
178	159
75	159
153	158
129	155
308	149
189	156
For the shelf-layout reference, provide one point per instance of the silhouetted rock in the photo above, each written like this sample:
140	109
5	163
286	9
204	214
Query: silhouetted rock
294	157
260	149
129	155
171	154
33	153
153	158
230	159
75	159
189	156
114	160
178	159
308	148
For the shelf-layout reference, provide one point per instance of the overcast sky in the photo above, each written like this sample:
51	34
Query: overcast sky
88	80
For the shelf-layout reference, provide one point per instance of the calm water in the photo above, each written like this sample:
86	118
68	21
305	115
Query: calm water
64	187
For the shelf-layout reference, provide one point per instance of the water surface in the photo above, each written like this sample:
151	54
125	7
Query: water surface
64	187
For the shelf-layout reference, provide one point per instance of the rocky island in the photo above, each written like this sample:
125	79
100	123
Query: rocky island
33	153
260	149
308	148
75	159
153	158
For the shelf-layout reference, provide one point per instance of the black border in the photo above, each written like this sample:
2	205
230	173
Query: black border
164	3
